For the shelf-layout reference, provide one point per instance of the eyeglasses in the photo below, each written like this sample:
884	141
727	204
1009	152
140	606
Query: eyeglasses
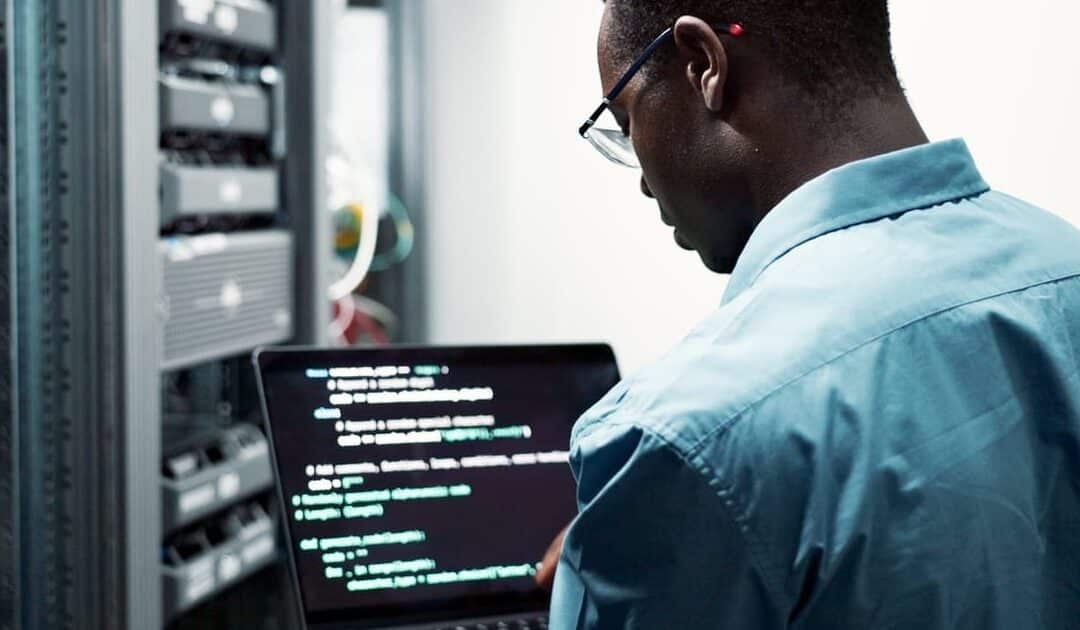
611	142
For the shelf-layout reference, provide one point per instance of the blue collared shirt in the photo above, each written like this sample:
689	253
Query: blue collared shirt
879	428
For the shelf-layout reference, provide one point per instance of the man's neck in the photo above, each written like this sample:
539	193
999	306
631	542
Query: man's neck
787	160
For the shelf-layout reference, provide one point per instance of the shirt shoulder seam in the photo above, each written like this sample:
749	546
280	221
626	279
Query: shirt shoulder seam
927	201
701	442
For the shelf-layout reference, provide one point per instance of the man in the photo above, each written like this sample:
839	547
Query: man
880	426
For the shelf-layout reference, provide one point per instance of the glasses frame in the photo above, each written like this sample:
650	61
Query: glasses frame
735	30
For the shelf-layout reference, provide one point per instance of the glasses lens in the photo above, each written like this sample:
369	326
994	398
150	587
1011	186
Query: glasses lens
615	146
609	140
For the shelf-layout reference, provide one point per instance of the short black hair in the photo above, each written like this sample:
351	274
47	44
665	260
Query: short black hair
834	49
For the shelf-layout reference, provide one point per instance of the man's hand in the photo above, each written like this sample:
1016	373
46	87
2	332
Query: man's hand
545	577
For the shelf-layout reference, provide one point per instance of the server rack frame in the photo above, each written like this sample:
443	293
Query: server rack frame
80	444
76	535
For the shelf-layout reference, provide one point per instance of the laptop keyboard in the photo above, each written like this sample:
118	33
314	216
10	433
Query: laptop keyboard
534	623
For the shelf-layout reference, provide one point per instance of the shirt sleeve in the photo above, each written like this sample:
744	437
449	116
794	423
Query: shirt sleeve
651	547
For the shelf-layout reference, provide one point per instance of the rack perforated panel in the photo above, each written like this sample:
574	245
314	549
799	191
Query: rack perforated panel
225	294
8	472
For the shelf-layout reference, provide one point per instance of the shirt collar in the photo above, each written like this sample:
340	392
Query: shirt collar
859	192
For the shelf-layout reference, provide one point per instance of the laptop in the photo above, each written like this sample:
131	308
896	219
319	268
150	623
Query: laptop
421	485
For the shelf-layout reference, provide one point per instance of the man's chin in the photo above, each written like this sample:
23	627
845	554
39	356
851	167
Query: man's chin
715	263
681	242
718	264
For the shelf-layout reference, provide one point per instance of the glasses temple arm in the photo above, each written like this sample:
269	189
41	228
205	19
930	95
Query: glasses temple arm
624	80
595	116
732	29
632	71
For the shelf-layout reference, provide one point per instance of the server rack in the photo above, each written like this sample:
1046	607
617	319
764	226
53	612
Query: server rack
242	237
94	467
87	535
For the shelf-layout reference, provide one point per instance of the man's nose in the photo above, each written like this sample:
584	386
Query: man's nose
645	190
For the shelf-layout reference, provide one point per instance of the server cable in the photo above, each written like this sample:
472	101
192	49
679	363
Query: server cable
365	255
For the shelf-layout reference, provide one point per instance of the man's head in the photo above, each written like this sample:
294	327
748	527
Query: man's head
723	125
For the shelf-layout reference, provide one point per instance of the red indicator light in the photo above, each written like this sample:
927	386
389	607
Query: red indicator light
736	30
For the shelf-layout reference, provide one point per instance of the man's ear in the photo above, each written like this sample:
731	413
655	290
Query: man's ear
706	59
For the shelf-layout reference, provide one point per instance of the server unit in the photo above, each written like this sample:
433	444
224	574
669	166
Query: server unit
193	191
225	294
212	472
189	104
246	23
203	561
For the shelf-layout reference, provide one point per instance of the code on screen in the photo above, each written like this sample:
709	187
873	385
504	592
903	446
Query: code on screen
425	481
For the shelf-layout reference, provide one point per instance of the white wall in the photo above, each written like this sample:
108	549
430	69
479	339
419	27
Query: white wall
533	237
1006	77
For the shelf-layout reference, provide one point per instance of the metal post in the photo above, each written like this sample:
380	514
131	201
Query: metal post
135	131
307	26
85	519
9	438
404	287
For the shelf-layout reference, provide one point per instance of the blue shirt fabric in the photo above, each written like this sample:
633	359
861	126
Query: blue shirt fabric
879	428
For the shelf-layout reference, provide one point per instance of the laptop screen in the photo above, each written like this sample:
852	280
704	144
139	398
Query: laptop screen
425	483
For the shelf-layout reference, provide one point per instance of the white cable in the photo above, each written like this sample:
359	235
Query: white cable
344	319
379	312
365	253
